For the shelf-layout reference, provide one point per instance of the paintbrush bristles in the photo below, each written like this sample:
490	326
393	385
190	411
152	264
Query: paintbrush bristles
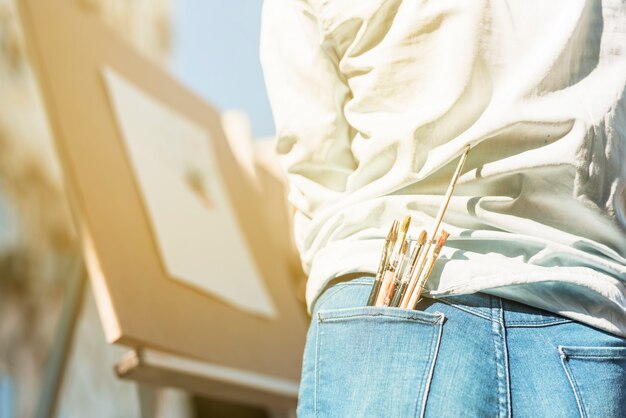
403	230
391	237
394	231
400	236
422	238
442	239
405	224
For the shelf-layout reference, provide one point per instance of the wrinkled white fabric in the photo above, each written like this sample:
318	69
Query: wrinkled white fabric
374	101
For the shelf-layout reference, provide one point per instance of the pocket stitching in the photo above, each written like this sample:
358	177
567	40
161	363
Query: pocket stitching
431	370
433	351
435	320
572	382
593	354
609	353
595	357
355	312
539	323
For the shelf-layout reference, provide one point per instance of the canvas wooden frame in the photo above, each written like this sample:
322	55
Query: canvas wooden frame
139	305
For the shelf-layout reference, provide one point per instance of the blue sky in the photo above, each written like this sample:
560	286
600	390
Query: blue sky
215	54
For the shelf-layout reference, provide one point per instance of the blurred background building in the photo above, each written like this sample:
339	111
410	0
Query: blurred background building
210	46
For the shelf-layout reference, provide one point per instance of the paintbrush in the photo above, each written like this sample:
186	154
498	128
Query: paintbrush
431	263
389	244
410	295
393	265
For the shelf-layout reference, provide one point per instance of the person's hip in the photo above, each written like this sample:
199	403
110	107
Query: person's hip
470	355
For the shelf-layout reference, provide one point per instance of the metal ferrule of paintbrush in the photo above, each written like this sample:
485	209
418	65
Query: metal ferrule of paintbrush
398	273
384	259
393	265
421	240
408	270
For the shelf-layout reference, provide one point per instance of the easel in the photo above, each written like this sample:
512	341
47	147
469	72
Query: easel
257	361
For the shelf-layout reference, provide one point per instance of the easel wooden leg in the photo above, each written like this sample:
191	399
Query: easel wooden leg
148	400
60	350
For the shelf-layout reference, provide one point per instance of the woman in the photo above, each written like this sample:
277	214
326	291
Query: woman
374	101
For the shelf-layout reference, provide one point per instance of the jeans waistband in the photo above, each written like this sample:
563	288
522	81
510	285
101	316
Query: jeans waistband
483	305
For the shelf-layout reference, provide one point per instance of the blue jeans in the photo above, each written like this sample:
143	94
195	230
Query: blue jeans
464	356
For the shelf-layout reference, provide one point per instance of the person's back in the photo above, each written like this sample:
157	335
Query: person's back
375	100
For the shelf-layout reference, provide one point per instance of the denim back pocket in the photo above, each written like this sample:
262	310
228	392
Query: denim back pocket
374	361
590	371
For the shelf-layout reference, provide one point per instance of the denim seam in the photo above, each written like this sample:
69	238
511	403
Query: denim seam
432	367
495	355
506	358
468	310
572	383
537	324
422	387
499	341
317	369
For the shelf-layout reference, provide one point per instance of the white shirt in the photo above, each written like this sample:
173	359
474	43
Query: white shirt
374	101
